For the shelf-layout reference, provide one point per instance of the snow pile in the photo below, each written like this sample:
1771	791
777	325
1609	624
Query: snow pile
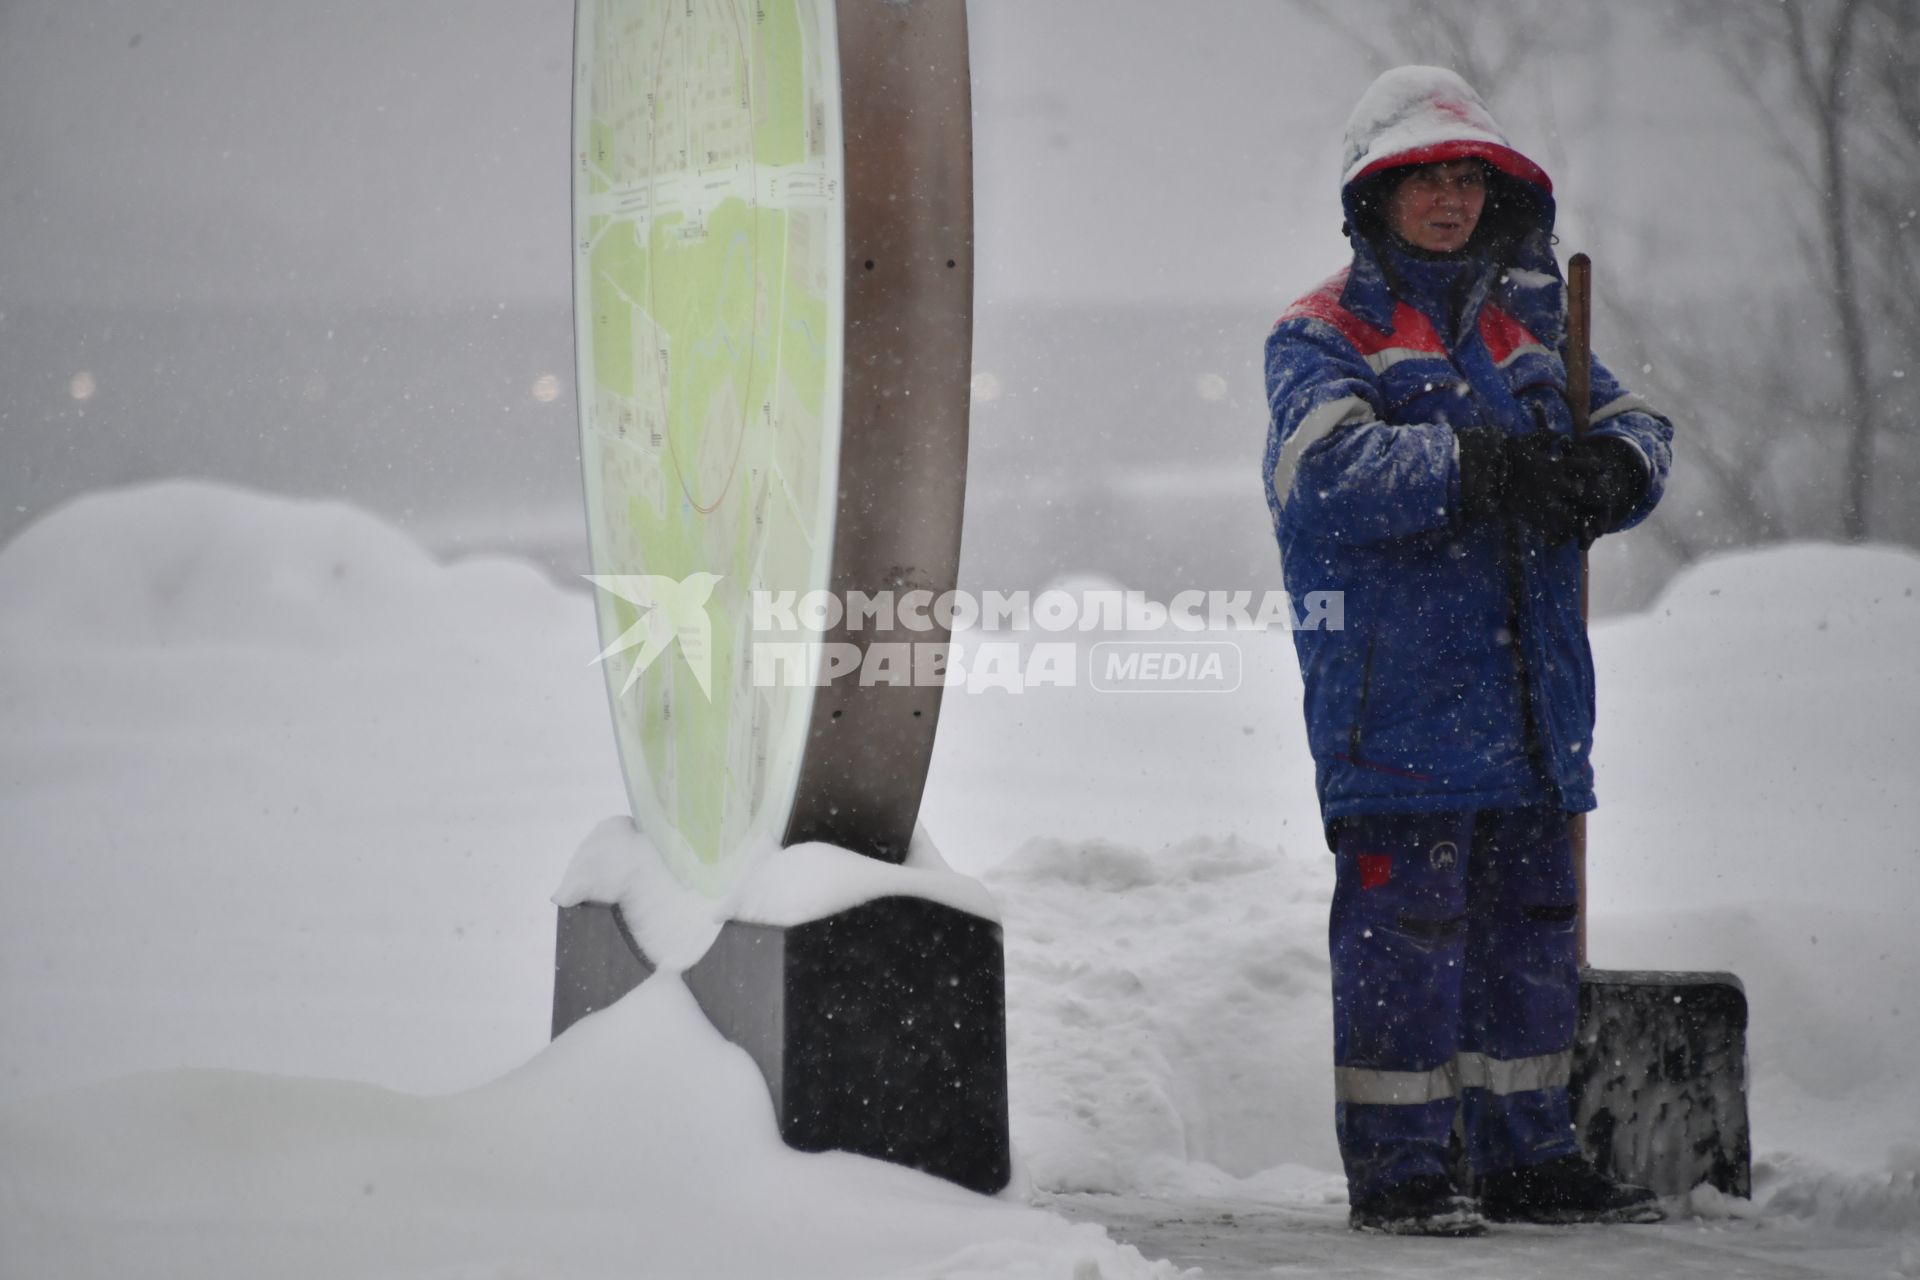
1168	1018
273	785
812	881
640	1143
1880	1201
1760	730
1170	1030
1758	744
281	795
188	562
674	925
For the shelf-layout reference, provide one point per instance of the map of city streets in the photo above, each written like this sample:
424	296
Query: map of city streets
708	291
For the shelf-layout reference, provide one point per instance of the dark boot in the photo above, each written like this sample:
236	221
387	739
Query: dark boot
1426	1206
1562	1191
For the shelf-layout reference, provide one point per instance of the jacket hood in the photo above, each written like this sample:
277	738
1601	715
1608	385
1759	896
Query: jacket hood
1421	115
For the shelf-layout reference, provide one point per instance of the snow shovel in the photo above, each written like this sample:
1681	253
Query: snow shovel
1659	1079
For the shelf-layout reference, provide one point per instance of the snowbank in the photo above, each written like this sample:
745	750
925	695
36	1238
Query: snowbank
674	925
1759	734
192	563
1759	737
279	793
1168	1021
640	1143
1758	748
1170	1029
282	795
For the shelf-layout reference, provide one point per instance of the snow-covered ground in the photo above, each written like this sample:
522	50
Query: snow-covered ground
282	801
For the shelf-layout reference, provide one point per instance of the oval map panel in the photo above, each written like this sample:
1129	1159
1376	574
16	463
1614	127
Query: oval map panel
715	335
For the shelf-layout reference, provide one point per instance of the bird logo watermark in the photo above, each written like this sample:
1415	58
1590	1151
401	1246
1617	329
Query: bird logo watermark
670	609
791	639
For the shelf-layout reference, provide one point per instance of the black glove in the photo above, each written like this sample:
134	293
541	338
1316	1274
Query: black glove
1614	482
1483	471
1542	490
1580	491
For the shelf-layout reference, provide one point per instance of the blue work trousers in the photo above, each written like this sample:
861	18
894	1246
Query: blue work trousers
1456	987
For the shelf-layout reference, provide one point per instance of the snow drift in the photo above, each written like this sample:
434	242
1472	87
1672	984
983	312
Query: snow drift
285	798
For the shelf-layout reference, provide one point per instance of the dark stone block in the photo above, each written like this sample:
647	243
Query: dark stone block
902	1052
880	1030
596	961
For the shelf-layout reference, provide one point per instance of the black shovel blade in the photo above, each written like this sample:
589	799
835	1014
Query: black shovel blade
1659	1085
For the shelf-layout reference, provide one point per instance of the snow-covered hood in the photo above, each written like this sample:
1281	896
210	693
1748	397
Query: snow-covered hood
1420	115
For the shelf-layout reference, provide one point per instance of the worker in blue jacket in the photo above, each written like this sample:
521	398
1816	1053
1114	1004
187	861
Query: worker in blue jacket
1421	460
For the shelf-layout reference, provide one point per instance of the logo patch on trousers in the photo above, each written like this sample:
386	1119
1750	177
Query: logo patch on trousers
1443	856
1375	869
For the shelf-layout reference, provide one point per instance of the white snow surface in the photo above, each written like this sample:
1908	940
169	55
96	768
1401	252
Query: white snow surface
674	925
283	800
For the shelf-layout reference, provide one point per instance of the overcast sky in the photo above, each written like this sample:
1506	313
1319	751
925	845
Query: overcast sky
377	151
283	149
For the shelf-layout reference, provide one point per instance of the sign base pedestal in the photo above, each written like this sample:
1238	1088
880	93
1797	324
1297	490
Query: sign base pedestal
881	1029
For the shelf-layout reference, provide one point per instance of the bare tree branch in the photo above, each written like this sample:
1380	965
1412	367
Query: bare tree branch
1768	381
1334	18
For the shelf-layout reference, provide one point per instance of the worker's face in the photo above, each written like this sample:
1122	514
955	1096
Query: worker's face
1437	206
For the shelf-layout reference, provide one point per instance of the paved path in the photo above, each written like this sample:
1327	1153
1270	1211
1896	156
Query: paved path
1229	1240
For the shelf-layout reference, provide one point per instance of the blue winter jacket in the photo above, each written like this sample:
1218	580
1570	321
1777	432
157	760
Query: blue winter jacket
1461	678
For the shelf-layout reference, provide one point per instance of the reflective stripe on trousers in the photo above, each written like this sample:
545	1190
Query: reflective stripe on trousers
1499	1076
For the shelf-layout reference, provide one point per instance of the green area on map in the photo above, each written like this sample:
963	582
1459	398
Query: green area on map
706	201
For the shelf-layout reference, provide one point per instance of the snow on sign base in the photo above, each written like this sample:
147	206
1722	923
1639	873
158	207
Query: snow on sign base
773	284
708	220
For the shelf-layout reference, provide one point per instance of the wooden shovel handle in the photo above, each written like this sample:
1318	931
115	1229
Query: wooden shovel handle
1579	339
1579	399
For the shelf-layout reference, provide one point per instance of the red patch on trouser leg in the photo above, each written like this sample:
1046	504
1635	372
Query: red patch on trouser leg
1375	869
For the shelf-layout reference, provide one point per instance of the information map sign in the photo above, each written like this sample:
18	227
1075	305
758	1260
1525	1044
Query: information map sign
752	419
773	275
709	220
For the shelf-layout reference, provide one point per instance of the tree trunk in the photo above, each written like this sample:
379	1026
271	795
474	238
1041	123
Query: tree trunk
1857	404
